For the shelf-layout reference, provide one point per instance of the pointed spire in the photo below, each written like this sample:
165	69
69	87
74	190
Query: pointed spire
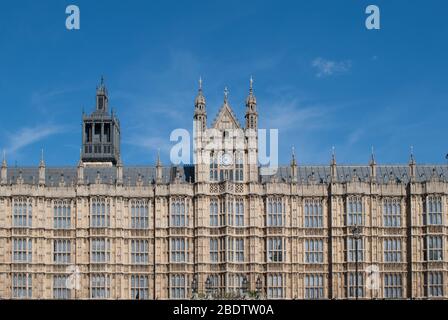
158	168
199	102
293	160
42	162
372	157
42	169
158	162
251	101
333	156
411	159
4	159
333	169
293	166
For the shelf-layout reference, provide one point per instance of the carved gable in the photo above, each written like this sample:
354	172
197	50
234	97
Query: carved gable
226	119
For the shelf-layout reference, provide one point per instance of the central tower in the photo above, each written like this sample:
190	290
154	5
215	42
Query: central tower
100	132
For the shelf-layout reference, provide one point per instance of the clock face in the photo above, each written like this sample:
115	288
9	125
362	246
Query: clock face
226	159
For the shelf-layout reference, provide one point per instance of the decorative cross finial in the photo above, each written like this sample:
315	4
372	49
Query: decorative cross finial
226	94
200	83
251	81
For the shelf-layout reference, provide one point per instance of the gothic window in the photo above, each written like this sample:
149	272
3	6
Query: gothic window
22	250
230	207
213	213
179	212
276	249
314	251
139	252
139	287
314	286
222	212
213	250
313	213
100	286
239	213
235	249
351	284
392	250
139	214
61	251
60	289
22	212
433	210
276	286
354	211
391	212
215	284
393	285
351	249
177	286
213	167
239	167
22	286
179	250
276	212
100	213
236	283
434	284
62	214
100	250
434	248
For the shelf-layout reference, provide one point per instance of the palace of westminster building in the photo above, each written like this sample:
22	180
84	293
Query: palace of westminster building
101	230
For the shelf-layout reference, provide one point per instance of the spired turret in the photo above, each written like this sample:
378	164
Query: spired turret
100	132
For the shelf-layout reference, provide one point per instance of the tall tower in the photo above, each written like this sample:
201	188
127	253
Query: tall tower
100	132
252	134
199	131
251	109
200	113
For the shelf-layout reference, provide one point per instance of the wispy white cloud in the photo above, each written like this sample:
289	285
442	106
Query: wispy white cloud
327	68
28	135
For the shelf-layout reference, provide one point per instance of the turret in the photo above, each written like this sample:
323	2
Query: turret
412	165
80	170
333	168
251	108
42	169
158	169
200	112
4	170
119	172
293	167
372	165
101	131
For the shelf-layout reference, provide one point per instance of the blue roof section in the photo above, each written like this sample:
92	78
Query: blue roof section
305	174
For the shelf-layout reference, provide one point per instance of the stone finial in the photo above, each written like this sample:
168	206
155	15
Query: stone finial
4	164
333	169
412	165
293	166
372	166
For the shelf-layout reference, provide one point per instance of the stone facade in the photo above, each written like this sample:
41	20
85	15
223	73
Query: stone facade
103	230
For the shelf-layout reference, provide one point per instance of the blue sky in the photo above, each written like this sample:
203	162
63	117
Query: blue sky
320	76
